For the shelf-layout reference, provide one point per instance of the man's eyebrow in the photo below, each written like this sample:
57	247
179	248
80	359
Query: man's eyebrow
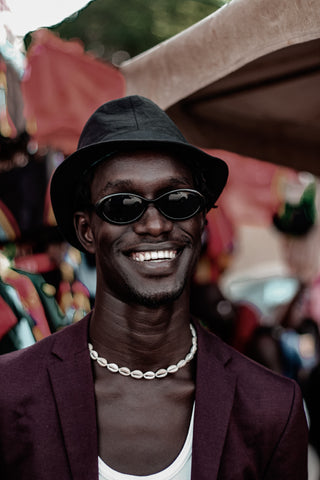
127	185
177	182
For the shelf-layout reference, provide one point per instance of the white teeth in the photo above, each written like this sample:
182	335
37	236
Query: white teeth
154	255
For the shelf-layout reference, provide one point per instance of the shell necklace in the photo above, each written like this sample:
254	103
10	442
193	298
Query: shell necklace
149	375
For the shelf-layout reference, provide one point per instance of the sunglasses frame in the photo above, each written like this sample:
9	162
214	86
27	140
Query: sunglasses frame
146	202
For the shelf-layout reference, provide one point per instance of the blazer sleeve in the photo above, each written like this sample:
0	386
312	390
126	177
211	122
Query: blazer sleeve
290	456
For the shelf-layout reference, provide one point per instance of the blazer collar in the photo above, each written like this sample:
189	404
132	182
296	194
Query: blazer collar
72	382
215	389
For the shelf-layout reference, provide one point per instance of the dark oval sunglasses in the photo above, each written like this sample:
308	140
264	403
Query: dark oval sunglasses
124	208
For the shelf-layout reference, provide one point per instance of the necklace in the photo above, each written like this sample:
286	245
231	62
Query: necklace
149	375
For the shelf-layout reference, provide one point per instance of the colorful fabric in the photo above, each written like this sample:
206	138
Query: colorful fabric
7	318
30	301
9	229
54	315
21	334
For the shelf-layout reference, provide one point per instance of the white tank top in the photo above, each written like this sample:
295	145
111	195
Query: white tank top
180	469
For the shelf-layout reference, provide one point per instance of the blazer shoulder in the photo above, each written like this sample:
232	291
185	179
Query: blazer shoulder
26	363
252	377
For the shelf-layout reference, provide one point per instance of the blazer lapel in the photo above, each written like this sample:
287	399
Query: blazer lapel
72	382
215	387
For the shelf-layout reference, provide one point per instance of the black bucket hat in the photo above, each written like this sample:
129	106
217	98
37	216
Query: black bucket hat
131	122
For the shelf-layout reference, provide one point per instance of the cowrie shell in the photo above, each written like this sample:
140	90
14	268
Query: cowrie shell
94	355
181	364
161	373
172	369
113	367
136	374
102	362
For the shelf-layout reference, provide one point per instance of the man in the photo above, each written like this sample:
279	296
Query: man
138	388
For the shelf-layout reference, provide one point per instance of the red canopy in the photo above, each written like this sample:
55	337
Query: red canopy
62	86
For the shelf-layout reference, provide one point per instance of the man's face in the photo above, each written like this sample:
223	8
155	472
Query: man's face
149	261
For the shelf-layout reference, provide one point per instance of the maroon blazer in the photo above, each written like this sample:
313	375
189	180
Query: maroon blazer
249	422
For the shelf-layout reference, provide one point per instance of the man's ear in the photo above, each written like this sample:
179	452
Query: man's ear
84	232
204	221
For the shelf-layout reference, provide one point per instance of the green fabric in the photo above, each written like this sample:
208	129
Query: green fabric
55	317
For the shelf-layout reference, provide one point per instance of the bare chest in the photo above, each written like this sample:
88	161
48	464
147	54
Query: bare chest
142	427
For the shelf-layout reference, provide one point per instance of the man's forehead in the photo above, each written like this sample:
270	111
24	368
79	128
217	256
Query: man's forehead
119	161
137	169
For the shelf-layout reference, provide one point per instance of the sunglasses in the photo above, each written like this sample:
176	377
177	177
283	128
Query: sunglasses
125	208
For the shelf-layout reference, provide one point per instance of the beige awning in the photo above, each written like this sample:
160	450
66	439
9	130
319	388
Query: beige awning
245	79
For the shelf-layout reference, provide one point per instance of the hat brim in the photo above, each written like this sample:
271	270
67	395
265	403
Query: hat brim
68	175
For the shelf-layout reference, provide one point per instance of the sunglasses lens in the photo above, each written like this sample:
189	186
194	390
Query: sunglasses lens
180	204
122	208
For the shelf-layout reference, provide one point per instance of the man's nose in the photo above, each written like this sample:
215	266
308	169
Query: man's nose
153	223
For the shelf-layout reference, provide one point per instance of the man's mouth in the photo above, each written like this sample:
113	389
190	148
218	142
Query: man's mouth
153	255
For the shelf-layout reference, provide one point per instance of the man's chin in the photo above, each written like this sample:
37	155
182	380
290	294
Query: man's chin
156	299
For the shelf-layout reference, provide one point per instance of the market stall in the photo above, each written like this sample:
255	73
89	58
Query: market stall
245	79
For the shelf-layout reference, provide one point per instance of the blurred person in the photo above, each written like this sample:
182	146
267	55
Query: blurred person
297	224
233	321
138	389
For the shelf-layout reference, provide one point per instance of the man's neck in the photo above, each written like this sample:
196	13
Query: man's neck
139	337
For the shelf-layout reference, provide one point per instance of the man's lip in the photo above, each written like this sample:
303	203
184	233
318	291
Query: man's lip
149	247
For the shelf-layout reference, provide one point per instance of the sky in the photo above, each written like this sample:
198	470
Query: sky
24	16
18	17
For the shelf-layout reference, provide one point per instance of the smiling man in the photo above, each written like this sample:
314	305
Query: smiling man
138	389
153	257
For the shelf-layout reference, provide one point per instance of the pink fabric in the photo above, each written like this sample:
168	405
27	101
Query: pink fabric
7	318
252	193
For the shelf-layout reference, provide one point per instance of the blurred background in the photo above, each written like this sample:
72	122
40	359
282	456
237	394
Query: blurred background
241	79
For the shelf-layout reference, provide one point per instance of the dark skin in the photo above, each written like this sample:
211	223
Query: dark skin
141	316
